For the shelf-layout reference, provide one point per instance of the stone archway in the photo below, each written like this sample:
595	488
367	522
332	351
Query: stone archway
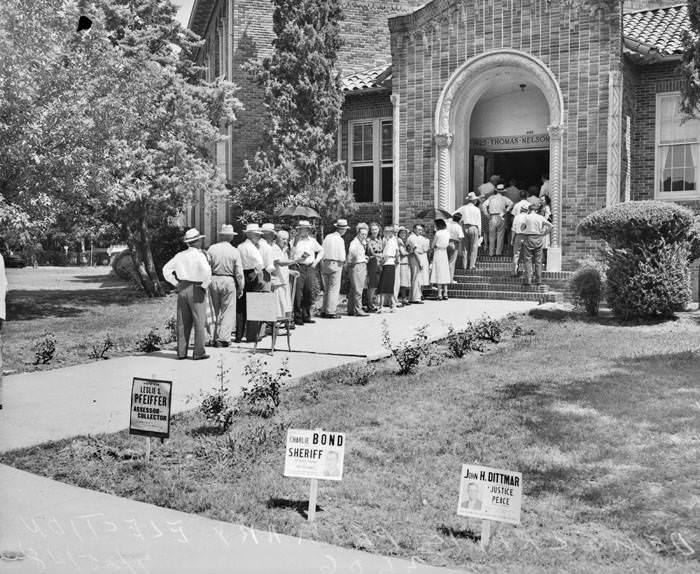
454	108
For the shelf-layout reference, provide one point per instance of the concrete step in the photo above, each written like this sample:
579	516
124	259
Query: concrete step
521	295
516	285
507	270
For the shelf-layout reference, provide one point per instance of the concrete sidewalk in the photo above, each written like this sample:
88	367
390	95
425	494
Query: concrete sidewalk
63	529
95	397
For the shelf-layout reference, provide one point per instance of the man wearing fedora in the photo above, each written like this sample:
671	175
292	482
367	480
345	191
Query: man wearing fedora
227	284
334	257
309	253
252	263
471	225
189	272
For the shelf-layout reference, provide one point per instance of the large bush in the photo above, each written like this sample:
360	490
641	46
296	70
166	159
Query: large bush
650	246
635	224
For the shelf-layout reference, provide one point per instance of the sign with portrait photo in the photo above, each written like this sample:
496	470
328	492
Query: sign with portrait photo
314	454
490	494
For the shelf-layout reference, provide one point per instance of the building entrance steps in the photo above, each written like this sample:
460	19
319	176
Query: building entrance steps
493	279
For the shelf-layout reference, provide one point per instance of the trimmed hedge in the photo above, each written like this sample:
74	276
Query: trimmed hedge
651	244
635	223
587	286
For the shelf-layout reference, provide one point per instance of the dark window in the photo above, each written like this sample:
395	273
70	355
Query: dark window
363	187
387	183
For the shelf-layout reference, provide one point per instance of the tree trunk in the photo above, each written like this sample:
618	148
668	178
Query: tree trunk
147	258
146	273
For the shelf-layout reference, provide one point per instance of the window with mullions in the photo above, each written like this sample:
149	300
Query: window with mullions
371	160
678	150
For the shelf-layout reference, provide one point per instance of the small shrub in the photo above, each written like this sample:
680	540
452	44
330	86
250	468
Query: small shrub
648	284
487	330
170	330
519	332
356	375
123	265
45	349
247	443
262	396
149	342
587	287
218	407
409	353
100	350
460	343
434	355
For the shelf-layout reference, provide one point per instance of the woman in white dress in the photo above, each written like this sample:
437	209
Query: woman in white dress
280	277
440	272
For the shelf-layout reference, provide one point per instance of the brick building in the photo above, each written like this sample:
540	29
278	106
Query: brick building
440	95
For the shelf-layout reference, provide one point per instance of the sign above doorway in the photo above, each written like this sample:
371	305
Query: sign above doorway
526	141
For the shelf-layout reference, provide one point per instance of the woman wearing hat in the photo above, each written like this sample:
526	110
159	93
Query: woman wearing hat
374	252
190	274
387	278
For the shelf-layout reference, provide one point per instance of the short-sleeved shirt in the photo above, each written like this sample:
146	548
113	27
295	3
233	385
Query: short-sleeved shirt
189	265
357	252
390	251
497	204
534	224
455	230
251	257
308	245
334	247
225	260
415	244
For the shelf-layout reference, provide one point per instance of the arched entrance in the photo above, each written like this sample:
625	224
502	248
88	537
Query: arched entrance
453	118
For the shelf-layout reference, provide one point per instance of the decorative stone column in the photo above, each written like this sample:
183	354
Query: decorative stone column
443	141
614	172
556	137
396	158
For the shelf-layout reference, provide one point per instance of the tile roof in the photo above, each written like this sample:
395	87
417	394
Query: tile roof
375	79
657	31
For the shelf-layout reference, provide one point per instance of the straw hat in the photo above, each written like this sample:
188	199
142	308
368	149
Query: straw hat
283	234
227	230
500	187
304	223
341	224
471	196
389	228
192	235
268	228
253	228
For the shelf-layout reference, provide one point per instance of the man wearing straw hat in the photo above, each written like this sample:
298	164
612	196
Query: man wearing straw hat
189	272
252	262
309	253
227	283
332	268
471	225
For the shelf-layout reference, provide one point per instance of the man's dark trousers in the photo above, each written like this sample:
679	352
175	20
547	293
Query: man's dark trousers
304	294
253	284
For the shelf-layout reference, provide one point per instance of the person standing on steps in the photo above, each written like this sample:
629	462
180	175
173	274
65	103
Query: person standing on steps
496	207
486	190
471	227
189	272
535	227
227	285
454	228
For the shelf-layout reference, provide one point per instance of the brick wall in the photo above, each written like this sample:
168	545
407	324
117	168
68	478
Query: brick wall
578	47
651	80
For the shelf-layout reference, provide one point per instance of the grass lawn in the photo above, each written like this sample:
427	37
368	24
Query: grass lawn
80	306
602	420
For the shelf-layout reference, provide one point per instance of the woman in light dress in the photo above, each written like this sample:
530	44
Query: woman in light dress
404	274
387	279
374	252
440	272
280	277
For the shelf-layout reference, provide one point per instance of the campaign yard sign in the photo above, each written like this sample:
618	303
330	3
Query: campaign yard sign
490	494
150	407
314	454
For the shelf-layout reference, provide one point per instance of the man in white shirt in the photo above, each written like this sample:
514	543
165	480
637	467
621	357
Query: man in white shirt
357	266
471	227
190	274
534	227
227	285
416	253
252	263
545	189
307	250
486	190
454	228
3	314
332	268
518	237
496	207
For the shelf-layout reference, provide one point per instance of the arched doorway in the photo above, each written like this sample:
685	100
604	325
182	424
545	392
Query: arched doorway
476	83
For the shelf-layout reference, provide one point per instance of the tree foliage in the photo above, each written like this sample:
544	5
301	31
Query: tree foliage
303	101
690	66
104	129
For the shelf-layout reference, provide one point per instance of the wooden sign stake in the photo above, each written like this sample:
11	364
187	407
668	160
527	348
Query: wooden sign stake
148	448
313	496
485	533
